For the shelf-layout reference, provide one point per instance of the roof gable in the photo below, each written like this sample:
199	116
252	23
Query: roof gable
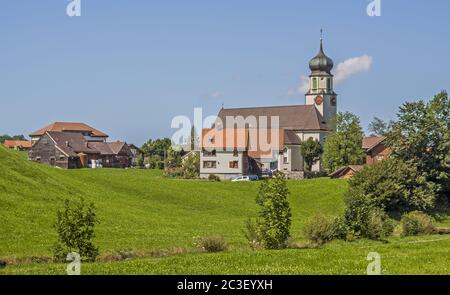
71	143
372	141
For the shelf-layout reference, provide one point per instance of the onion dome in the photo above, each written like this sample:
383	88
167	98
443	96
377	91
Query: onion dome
321	62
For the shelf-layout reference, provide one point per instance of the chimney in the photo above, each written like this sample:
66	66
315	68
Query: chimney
67	143
86	144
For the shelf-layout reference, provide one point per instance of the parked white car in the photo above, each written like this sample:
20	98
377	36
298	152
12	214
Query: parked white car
246	178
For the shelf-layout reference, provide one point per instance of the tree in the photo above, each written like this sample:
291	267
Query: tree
378	127
140	161
421	137
156	151
311	150
390	186
173	158
275	213
157	147
191	166
75	228
344	146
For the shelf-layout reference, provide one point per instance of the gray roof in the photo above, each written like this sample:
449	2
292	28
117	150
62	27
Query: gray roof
296	117
72	143
102	147
291	138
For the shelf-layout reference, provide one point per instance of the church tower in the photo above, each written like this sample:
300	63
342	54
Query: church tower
321	93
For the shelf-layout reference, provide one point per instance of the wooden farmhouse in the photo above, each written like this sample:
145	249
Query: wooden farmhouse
77	145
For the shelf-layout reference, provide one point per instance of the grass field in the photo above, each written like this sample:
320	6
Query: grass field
140	210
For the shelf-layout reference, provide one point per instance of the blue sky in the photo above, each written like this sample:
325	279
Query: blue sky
128	67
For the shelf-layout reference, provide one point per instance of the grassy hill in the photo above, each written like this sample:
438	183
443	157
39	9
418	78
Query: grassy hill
140	210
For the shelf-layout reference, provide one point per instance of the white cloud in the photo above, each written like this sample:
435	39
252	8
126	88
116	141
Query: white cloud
344	70
302	88
215	94
352	66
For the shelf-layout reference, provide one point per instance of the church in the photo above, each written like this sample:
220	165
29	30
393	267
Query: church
228	159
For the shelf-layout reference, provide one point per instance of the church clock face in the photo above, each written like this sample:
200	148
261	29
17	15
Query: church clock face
333	101
318	100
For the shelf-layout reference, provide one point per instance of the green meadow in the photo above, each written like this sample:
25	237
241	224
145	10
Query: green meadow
141	211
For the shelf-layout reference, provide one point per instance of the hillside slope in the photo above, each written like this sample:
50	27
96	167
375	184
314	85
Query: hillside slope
138	209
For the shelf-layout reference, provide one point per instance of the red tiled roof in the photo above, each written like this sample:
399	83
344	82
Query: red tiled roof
17	143
69	126
248	139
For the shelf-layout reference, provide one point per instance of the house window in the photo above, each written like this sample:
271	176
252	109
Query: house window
314	82
61	157
379	157
207	153
285	156
235	153
209	164
38	159
52	161
234	164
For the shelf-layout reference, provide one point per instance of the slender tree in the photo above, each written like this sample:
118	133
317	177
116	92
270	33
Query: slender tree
311	150
275	213
344	146
378	127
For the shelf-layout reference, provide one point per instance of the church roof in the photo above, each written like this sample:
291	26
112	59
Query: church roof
296	117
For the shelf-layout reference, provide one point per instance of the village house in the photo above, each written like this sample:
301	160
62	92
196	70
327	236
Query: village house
89	133
77	145
20	145
297	122
228	159
375	150
346	171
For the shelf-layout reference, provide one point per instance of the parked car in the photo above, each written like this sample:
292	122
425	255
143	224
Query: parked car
246	178
241	178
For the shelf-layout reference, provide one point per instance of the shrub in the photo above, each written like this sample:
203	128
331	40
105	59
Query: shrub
140	161
213	177
416	223
396	187
321	229
252	235
211	244
173	172
274	213
379	225
75	228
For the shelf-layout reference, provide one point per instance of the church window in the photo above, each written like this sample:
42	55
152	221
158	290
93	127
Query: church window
328	84
314	83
